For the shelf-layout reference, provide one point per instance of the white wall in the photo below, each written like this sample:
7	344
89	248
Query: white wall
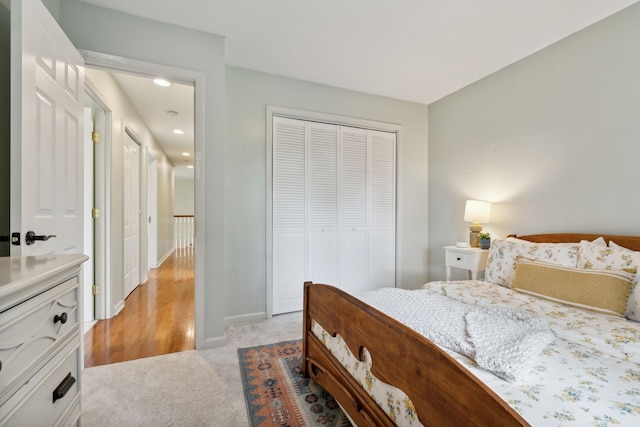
248	94
124	115
184	192
553	140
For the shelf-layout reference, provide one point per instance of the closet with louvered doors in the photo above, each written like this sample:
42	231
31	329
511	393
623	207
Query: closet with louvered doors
333	208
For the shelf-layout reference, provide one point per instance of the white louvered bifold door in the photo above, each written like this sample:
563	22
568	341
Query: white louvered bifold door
322	172
289	214
333	209
382	209
353	209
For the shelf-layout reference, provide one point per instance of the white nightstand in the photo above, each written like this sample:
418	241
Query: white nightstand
472	259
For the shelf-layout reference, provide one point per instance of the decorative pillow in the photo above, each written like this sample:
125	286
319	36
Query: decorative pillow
501	263
599	241
604	291
616	257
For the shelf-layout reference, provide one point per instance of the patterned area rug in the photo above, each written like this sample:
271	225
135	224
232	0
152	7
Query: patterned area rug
278	395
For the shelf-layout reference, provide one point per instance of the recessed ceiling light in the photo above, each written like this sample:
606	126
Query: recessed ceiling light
178	131
190	167
186	154
162	82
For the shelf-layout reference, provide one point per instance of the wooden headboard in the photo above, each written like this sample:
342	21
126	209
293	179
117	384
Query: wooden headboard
630	242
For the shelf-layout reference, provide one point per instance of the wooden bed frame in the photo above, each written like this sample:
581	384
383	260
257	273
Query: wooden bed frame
442	390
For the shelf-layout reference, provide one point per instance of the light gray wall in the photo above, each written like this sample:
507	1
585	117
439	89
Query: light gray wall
5	128
553	140
184	201
248	94
106	31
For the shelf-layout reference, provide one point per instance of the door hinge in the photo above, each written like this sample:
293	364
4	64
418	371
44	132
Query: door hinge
95	289
95	137
95	213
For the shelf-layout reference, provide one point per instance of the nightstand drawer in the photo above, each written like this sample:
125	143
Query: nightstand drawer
473	260
460	260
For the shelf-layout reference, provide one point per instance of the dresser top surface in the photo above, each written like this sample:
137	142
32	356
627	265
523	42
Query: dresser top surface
20	272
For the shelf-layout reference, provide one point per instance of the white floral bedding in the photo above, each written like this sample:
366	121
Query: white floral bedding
588	376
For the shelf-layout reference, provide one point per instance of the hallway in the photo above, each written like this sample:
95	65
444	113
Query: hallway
158	317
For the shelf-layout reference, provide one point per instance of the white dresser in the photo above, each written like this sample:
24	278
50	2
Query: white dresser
40	337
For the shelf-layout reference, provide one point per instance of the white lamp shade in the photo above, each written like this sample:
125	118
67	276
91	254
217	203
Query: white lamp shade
477	211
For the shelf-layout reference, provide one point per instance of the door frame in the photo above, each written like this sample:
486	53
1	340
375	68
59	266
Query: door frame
127	65
88	300
101	201
152	211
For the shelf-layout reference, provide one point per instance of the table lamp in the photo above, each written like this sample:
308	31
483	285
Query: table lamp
476	212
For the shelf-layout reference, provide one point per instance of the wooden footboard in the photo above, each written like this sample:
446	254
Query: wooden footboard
443	392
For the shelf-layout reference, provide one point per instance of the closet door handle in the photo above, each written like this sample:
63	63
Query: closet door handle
63	387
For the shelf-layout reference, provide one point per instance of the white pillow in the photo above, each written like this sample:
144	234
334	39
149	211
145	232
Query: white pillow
599	241
615	257
501	264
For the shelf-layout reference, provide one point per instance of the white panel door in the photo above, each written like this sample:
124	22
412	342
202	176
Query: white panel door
353	209
131	215
322	172
382	209
47	89
289	214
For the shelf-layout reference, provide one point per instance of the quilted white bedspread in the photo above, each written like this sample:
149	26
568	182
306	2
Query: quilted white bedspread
504	341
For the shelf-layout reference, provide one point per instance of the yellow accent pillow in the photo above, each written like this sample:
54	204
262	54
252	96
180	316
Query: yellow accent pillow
604	291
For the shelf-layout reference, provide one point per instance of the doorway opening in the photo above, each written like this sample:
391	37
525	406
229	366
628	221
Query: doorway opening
134	129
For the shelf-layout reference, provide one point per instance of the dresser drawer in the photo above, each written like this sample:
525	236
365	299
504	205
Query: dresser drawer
33	404
460	259
32	332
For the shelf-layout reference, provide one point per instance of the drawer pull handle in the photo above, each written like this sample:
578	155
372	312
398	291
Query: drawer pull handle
62	318
458	258
64	387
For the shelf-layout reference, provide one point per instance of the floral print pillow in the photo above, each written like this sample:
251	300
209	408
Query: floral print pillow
614	257
501	264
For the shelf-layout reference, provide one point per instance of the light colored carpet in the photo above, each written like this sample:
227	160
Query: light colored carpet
192	388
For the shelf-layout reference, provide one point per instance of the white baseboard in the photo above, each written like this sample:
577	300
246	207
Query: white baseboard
118	307
212	343
164	258
245	318
232	320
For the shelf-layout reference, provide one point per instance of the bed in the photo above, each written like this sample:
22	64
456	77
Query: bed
588	374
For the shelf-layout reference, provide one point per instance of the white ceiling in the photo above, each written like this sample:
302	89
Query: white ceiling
154	104
414	50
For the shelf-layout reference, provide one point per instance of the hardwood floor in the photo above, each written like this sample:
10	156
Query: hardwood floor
158	317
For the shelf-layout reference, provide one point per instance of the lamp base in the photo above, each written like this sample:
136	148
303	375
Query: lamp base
474	235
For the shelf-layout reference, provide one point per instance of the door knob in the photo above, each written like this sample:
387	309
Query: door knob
31	237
